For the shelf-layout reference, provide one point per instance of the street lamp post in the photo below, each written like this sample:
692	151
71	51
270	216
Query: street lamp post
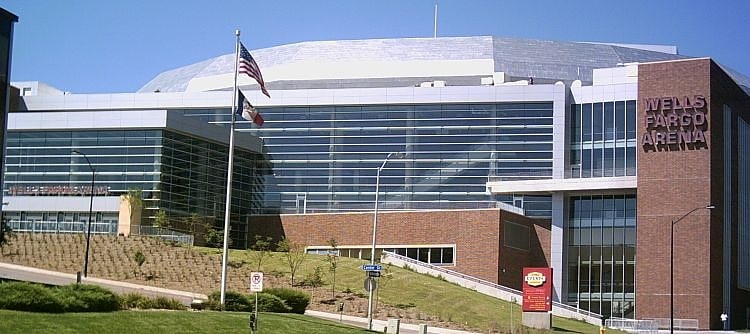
671	264
374	231
91	207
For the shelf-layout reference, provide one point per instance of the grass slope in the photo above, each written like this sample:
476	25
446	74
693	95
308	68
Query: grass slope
401	293
127	322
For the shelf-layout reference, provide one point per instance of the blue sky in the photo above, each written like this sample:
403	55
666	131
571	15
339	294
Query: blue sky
95	46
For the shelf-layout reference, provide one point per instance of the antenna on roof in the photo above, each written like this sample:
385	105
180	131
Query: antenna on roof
434	31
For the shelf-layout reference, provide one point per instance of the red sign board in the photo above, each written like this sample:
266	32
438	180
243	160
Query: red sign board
537	289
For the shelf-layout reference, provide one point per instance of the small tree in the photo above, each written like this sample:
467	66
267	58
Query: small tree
161	219
333	261
139	259
261	251
313	280
294	255
5	233
213	237
194	222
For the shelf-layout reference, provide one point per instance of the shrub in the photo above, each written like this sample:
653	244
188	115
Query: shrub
138	301
87	298
135	300
164	303
23	296
295	299
233	301
270	303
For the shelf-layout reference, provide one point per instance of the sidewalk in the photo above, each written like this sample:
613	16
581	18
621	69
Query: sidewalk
379	325
22	273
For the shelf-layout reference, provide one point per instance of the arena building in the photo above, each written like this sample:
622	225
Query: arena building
486	155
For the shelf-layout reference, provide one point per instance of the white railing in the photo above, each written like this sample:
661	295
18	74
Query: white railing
633	325
689	324
164	233
486	287
38	226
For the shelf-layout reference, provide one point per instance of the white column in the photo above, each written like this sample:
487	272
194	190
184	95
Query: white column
557	245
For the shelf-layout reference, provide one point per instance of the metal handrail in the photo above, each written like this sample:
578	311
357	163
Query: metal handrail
488	283
164	233
52	226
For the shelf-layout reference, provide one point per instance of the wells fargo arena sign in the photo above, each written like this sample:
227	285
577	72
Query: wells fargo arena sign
675	123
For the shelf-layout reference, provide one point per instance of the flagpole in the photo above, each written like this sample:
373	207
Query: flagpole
227	210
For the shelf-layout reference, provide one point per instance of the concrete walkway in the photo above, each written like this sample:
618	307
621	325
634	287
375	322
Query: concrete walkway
30	274
379	325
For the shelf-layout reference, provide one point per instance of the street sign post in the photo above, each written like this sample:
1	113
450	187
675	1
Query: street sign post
372	267
256	285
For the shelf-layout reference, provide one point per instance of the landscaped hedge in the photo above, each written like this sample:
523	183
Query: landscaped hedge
87	298
24	296
235	301
270	303
295	299
138	301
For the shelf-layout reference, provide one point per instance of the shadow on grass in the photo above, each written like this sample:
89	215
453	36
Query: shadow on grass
563	330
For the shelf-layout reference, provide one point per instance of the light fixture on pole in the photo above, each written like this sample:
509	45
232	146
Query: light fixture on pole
91	207
396	155
671	264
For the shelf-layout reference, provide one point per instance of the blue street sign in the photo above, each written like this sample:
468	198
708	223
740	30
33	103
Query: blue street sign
371	267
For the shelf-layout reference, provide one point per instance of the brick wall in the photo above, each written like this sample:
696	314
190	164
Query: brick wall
672	181
477	235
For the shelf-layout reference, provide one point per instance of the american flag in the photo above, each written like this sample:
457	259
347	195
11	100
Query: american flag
249	67
246	110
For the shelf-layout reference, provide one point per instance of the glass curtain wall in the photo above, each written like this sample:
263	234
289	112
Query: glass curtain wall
325	158
178	174
602	139
601	254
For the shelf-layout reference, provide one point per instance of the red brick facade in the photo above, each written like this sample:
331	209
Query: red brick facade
673	179
477	234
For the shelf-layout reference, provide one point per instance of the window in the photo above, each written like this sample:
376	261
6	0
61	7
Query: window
601	253
440	255
516	235
606	146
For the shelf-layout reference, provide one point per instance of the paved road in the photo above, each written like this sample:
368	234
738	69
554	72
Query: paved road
22	273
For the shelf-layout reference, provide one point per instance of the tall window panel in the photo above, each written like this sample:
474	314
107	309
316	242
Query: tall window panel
601	254
743	203
602	139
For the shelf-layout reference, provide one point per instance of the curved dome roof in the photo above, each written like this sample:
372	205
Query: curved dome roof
344	63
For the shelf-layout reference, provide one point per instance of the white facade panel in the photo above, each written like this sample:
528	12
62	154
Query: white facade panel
61	203
109	119
555	185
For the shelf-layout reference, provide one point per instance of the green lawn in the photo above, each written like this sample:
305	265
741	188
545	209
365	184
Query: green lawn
421	295
127	322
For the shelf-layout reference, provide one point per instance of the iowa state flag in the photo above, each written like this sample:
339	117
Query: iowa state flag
246	110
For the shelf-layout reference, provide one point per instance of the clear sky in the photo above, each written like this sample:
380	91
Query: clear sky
112	46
